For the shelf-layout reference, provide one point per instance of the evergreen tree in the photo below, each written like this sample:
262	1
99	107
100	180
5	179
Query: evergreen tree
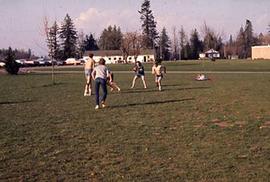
90	43
175	45
220	47
164	44
240	43
53	41
195	45
68	34
187	51
150	33
111	38
11	66
183	42
81	44
249	39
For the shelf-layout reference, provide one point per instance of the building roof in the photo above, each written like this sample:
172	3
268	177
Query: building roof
103	53
262	46
211	51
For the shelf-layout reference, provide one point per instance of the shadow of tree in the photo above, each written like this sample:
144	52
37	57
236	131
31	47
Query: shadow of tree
152	103
15	102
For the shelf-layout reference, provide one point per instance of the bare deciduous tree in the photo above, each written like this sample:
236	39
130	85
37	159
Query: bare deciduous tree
132	44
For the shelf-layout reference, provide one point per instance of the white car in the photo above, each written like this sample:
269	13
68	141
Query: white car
72	61
2	64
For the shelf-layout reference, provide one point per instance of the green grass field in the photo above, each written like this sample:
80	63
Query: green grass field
214	130
219	65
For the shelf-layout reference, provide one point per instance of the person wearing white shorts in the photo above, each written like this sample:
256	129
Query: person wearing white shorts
158	70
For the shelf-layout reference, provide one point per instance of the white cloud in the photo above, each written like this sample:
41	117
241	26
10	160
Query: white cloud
94	20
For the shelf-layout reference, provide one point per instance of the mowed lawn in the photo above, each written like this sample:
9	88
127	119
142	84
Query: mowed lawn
214	130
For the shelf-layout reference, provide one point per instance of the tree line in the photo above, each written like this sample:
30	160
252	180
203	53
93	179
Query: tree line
64	41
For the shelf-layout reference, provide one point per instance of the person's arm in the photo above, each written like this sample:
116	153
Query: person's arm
93	74
109	75
165	70
153	70
134	68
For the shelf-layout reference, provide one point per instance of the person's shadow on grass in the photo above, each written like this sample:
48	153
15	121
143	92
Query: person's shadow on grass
152	103
15	102
156	90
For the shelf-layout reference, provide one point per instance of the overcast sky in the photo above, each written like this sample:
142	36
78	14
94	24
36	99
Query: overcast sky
21	21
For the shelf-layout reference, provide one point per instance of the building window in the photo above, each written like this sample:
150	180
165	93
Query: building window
114	58
130	58
110	58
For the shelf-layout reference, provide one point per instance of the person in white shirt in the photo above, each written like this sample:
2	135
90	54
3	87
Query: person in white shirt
100	75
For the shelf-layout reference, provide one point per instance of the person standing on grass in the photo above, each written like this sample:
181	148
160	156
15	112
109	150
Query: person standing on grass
88	69
158	70
100	75
139	73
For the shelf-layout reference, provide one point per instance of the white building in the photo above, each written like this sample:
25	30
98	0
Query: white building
260	52
116	56
210	54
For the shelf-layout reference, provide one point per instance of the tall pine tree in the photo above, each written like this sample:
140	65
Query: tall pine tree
150	33
183	44
240	43
68	34
53	41
195	44
11	66
164	45
90	43
249	38
111	38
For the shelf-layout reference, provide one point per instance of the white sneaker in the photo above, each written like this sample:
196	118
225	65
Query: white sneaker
103	105
97	107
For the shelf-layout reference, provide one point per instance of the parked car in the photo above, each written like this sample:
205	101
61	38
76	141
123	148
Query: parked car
2	64
72	61
21	62
82	61
29	63
43	62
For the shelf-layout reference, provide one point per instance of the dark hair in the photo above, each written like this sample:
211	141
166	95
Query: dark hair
91	55
102	61
138	63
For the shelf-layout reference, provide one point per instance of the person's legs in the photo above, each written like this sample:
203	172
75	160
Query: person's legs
97	84
134	80
143	80
156	80
87	89
116	86
90	85
104	89
159	83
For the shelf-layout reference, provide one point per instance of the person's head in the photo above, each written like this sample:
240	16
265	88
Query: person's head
91	55
156	63
138	63
102	61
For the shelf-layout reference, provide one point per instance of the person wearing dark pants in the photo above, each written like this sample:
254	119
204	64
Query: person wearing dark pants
100	75
99	82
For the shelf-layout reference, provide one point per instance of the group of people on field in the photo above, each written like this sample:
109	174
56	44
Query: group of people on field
103	77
